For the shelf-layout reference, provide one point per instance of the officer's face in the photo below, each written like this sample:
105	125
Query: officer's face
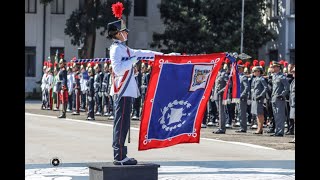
256	73
122	35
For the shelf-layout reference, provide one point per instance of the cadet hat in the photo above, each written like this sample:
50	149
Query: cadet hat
257	68
118	25
240	63
275	63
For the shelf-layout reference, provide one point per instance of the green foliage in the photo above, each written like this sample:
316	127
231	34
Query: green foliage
98	14
207	26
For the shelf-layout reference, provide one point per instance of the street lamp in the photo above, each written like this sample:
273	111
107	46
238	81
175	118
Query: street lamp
242	18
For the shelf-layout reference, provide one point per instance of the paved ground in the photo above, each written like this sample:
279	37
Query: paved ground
77	142
280	143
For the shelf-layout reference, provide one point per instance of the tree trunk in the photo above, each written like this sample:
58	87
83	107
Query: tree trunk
87	51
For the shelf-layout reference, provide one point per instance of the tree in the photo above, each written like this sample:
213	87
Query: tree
83	23
207	26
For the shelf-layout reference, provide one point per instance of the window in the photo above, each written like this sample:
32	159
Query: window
277	7
273	55
292	56
30	62
53	51
292	6
30	6
81	4
57	7
140	8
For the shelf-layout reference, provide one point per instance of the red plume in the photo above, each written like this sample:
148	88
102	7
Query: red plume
251	67
247	64
150	63
255	62
45	63
281	62
285	64
262	63
61	56
117	9
227	61
240	62
55	64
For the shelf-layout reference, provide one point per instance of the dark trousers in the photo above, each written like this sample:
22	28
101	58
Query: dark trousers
212	111
290	122
136	106
242	109
70	101
98	99
249	113
222	113
270	114
121	125
231	112
83	100
105	102
91	103
76	100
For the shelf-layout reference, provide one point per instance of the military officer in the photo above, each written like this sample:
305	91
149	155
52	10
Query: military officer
292	99
244	92
77	89
97	88
63	91
219	87
280	88
259	89
90	94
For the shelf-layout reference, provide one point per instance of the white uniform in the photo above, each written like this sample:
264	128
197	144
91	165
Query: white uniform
119	66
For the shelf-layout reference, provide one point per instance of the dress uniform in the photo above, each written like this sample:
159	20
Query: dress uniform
43	87
104	90
137	101
64	87
242	106
90	94
70	87
259	89
124	87
219	87
280	88
76	89
97	88
83	83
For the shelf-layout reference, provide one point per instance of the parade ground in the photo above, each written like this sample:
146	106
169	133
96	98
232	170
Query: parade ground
77	142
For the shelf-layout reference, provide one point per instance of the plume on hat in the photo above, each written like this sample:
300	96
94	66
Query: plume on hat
262	63
117	9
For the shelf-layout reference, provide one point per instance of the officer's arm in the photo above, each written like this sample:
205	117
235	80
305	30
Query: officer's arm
265	88
246	86
286	85
118	66
144	53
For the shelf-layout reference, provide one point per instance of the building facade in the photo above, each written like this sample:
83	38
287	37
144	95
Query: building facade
281	19
44	33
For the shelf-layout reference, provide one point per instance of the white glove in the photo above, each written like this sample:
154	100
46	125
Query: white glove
249	102
89	98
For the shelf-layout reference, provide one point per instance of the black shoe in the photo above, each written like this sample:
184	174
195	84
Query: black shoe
126	161
240	131
219	131
270	131
62	116
289	133
277	135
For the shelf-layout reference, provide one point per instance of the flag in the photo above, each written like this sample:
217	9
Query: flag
176	99
235	80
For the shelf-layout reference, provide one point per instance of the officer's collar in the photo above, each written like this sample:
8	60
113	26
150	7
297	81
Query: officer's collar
117	41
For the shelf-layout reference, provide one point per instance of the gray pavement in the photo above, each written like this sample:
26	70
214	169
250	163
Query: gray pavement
77	142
